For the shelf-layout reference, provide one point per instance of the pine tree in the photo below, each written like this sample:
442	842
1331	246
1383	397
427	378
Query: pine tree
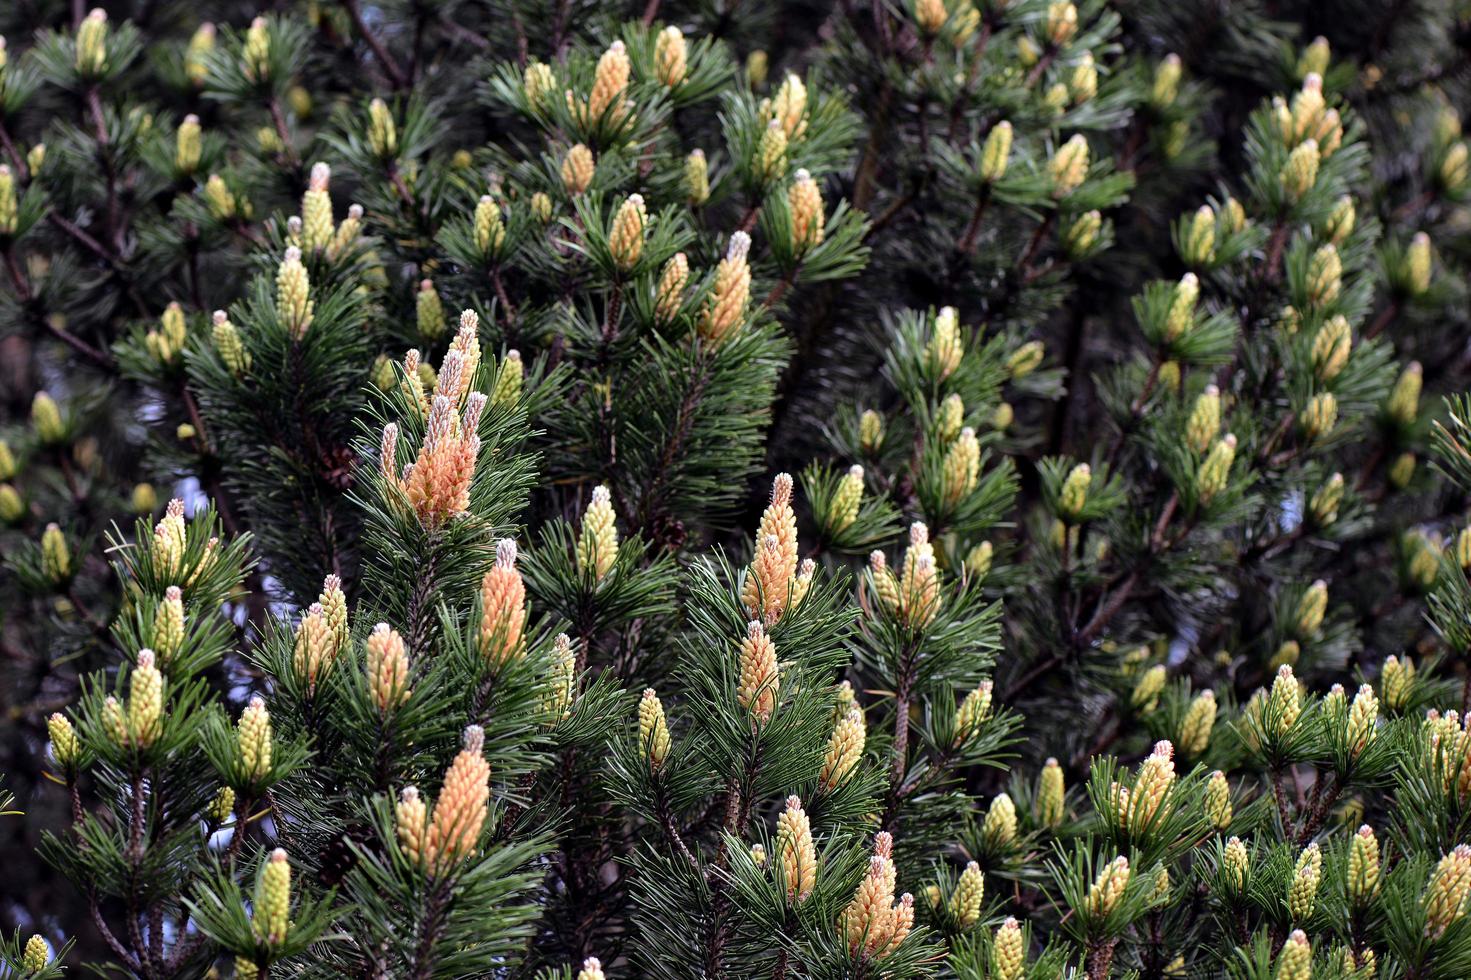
793	490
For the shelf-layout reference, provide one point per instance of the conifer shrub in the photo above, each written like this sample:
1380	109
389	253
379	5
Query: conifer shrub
794	490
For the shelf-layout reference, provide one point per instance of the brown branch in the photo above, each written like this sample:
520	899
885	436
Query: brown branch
390	66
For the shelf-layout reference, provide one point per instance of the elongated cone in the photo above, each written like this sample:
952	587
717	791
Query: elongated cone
653	731
253	740
272	911
145	701
610	82
1008	951
759	679
1302	893
846	500
1051	795
796	851
1150	800
65	746
1218	800
1108	888
1363	867
592	969
1295	962
578	168
502	607
973	711
460	811
626	239
597	547
316	210
1444	900
1236	865
769	579
844	749
1195	728
411	823
387	668
809	220
731	294
1204	422
37	955
965	901
672	282
670	57
999	827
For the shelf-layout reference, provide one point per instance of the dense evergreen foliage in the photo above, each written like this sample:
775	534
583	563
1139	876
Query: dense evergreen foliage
742	489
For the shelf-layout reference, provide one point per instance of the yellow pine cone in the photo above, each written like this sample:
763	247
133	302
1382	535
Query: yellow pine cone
56	562
382	132
846	500
950	418
592	969
65	746
1418	265
999	827
411	823
1051	795
696	178
114	724
1295	962
670	57
870	431
188	144
1302	894
1181	317
769	580
1198	246
387	667
490	227
962	467
316	210
1325	275
12	506
1320	415
253	739
437	483
1062	22
1218	800
1444	900
37	954
1332	345
885	586
502	607
759	678
8	465
428	312
597	547
972	713
1404	399
1145	696
541	207
965	901
1311	608
562	680
1285	701
578	168
1215	471
978	560
222	806
1108	888
796	851
1300	172
996	152
271	913
1008	951
508	381
91	44
771	152
315	648
610	82
871	922
1363	867
460	811
293	294
145	701
929	16
945	347
222	202
200	45
726	312
809	219
537	83
226	339
1341	220
626	240
1204	421
168	624
46	419
1068	166
1236	865
653	731
844	749
1149	802
789	107
670	293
